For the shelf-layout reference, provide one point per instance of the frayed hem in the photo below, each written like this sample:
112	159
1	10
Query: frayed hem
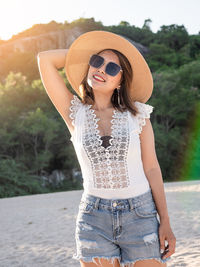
131	263
91	259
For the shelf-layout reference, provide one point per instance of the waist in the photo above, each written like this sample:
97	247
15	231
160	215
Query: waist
118	203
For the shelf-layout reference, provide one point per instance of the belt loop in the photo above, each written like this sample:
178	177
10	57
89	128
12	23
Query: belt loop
96	204
130	203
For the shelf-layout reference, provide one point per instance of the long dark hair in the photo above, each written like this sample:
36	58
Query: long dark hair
125	100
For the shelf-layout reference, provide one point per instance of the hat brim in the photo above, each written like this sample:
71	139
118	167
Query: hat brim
92	42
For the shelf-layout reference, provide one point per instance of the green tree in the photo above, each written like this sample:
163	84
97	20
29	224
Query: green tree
174	103
146	25
161	57
174	36
86	24
124	23
33	135
15	179
194	46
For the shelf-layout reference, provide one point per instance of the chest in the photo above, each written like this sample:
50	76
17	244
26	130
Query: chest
120	136
108	134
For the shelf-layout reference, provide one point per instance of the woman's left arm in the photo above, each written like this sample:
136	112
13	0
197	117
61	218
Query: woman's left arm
153	173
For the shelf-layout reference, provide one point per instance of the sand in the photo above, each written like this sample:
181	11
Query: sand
39	230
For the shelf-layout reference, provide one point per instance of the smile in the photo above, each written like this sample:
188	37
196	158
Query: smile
97	78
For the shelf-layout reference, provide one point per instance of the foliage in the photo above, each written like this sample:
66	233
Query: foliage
16	180
173	102
31	134
173	36
143	36
86	24
190	161
194	44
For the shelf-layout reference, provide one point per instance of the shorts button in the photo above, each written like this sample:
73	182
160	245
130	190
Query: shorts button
114	204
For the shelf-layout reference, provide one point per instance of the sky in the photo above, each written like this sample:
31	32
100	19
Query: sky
19	15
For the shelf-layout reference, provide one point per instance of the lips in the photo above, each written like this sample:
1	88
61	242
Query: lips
99	77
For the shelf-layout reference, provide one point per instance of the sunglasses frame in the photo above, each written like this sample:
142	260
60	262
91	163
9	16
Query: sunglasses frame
106	64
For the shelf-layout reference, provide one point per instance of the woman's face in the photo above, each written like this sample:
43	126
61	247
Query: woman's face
110	82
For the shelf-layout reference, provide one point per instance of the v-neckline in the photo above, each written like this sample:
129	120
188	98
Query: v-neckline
97	132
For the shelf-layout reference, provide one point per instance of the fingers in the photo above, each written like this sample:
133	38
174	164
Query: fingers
162	244
170	248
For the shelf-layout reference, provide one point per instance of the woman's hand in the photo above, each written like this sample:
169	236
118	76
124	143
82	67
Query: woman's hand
165	233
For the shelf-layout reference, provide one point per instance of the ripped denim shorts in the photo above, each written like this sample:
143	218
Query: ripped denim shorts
126	229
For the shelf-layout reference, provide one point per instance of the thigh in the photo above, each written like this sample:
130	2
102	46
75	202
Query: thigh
101	262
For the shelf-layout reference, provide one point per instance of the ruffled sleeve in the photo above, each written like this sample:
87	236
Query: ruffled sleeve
144	112
75	105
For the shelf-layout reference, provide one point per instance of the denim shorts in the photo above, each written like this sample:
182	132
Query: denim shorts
126	229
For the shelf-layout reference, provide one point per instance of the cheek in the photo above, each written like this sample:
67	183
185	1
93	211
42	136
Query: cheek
116	80
89	74
91	70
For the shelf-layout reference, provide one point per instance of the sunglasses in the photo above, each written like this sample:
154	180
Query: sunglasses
112	68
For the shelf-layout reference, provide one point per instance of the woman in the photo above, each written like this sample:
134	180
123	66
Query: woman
110	128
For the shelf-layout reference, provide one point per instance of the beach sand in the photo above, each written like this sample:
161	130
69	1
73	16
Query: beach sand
39	230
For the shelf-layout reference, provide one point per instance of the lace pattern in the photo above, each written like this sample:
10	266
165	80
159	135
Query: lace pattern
75	104
144	112
109	165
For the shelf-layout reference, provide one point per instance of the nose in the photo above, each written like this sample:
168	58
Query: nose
102	68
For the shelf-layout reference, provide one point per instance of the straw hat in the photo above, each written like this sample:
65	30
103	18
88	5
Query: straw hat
92	42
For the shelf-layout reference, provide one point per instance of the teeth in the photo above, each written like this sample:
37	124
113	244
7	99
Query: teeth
98	78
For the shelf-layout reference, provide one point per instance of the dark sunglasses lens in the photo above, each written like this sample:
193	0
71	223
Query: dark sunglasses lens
96	61
112	69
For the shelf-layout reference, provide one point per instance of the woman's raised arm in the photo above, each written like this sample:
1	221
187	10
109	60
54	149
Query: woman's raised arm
49	62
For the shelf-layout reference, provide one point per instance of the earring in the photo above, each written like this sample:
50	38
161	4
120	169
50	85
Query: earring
118	97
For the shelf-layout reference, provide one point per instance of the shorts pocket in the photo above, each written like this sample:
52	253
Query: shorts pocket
86	207
146	210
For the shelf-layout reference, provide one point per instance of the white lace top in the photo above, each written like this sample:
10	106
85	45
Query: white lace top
114	170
